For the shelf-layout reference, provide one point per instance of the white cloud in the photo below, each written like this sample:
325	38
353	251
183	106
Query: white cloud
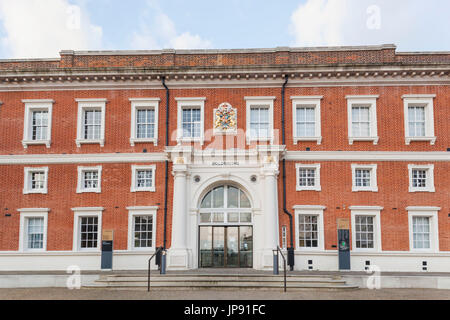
36	28
162	33
411	24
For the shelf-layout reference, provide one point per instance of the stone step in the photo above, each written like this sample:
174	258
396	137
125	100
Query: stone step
221	278
218	286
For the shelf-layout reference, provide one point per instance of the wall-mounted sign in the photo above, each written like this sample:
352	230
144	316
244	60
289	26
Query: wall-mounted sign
225	163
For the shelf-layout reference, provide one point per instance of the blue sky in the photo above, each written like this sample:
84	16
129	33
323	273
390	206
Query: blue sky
41	28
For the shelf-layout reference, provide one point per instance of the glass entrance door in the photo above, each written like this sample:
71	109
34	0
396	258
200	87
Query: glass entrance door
226	247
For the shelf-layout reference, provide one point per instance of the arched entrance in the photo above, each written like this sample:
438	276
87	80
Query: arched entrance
225	229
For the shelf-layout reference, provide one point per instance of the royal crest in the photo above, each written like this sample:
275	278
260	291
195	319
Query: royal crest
225	119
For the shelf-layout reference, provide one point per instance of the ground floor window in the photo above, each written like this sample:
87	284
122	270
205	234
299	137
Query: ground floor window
87	228
308	231
143	231
33	229
88	232
141	228
364	232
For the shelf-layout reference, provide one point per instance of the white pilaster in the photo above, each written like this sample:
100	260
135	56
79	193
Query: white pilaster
178	254
271	237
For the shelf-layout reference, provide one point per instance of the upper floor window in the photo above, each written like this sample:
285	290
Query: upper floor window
35	180
421	178
364	177
259	118
38	122
89	179
419	119
91	121
308	177
33	229
143	178
190	119
362	118
306	118
144	120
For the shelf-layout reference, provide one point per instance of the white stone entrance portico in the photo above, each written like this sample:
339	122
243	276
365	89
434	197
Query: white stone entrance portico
196	172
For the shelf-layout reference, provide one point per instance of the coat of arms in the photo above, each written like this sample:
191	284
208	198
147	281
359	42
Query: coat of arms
225	119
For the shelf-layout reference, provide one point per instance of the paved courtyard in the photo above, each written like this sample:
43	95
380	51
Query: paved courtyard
106	294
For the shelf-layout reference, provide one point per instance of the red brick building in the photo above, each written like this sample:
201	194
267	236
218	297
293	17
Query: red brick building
187	150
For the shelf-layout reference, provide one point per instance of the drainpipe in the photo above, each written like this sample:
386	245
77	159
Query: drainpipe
291	259
167	162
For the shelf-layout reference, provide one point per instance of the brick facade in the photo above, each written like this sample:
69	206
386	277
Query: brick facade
336	176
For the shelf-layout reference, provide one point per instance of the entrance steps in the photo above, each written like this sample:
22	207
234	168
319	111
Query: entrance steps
180	281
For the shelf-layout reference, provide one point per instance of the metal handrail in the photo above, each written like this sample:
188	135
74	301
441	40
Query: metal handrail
158	250
284	261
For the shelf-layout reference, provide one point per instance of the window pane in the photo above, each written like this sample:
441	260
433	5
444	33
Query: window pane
35	233
218	197
233	197
244	201
206	203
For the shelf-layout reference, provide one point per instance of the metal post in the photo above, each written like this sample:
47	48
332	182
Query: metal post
276	269
163	262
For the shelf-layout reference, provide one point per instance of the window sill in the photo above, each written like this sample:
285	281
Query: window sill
89	191
412	190
190	140
432	140
354	189
375	140
35	192
27	143
79	142
144	190
134	141
306	139
309	189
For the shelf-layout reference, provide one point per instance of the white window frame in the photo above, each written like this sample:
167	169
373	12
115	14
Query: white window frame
432	213
310	211
27	185
84	104
32	213
371	102
80	188
141	211
81	213
429	168
143	103
187	103
37	105
370	211
373	177
425	100
134	169
316	167
314	101
259	101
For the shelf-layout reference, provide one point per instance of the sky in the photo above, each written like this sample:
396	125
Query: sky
42	28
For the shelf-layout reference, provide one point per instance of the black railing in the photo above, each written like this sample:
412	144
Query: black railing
278	250
158	251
